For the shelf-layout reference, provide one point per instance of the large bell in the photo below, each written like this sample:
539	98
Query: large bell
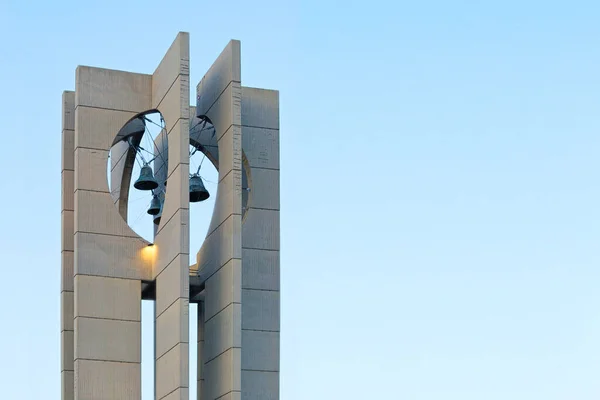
146	181
155	206
197	190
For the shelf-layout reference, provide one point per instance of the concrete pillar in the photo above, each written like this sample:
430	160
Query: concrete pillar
110	260
220	258
200	361
260	246
67	246
170	95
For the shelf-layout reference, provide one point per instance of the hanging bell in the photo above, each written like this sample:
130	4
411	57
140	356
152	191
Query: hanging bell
157	217
155	206
197	190
146	181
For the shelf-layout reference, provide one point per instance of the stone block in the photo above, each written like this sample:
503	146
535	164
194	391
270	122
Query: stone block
108	340
201	353
175	62
261	147
68	110
175	104
172	370
107	380
227	109
221	246
228	200
178	154
223	374
113	256
67	384
172	327
172	240
96	213
90	170
96	128
67	311
111	89
179	394
230	151
67	354
261	269
225	69
223	331
260	310
68	147
67	190
172	283
109	298
67	229
264	184
259	385
67	271
260	108
223	288
260	350
178	189
261	229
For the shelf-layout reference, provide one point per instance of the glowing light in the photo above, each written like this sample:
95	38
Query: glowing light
148	253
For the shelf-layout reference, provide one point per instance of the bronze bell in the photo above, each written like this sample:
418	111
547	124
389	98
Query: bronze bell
197	190
155	206
157	217
146	181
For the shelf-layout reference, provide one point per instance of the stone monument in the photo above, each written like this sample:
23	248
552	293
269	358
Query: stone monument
107	268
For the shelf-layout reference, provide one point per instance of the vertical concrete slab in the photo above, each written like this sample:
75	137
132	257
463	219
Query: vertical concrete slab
219	99
109	258
66	309
170	95
260	246
200	358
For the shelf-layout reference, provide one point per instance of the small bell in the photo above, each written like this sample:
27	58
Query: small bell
155	206
157	217
197	190
146	181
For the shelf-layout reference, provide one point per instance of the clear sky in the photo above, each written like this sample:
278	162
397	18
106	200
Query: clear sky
439	185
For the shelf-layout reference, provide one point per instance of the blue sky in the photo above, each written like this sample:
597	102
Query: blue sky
439	188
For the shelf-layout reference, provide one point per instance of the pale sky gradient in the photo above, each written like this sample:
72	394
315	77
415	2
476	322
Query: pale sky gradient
440	198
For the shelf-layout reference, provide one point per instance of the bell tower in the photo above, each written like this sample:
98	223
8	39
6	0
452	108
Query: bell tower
107	268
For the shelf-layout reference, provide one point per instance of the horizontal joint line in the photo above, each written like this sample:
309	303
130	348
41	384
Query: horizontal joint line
231	391
106	234
260	127
165	353
221	353
256	248
169	306
259	370
113	361
106	108
106	319
221	310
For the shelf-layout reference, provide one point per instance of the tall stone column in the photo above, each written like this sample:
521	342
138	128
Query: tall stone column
170	95
67	246
110	262
200	357
220	258
260	246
